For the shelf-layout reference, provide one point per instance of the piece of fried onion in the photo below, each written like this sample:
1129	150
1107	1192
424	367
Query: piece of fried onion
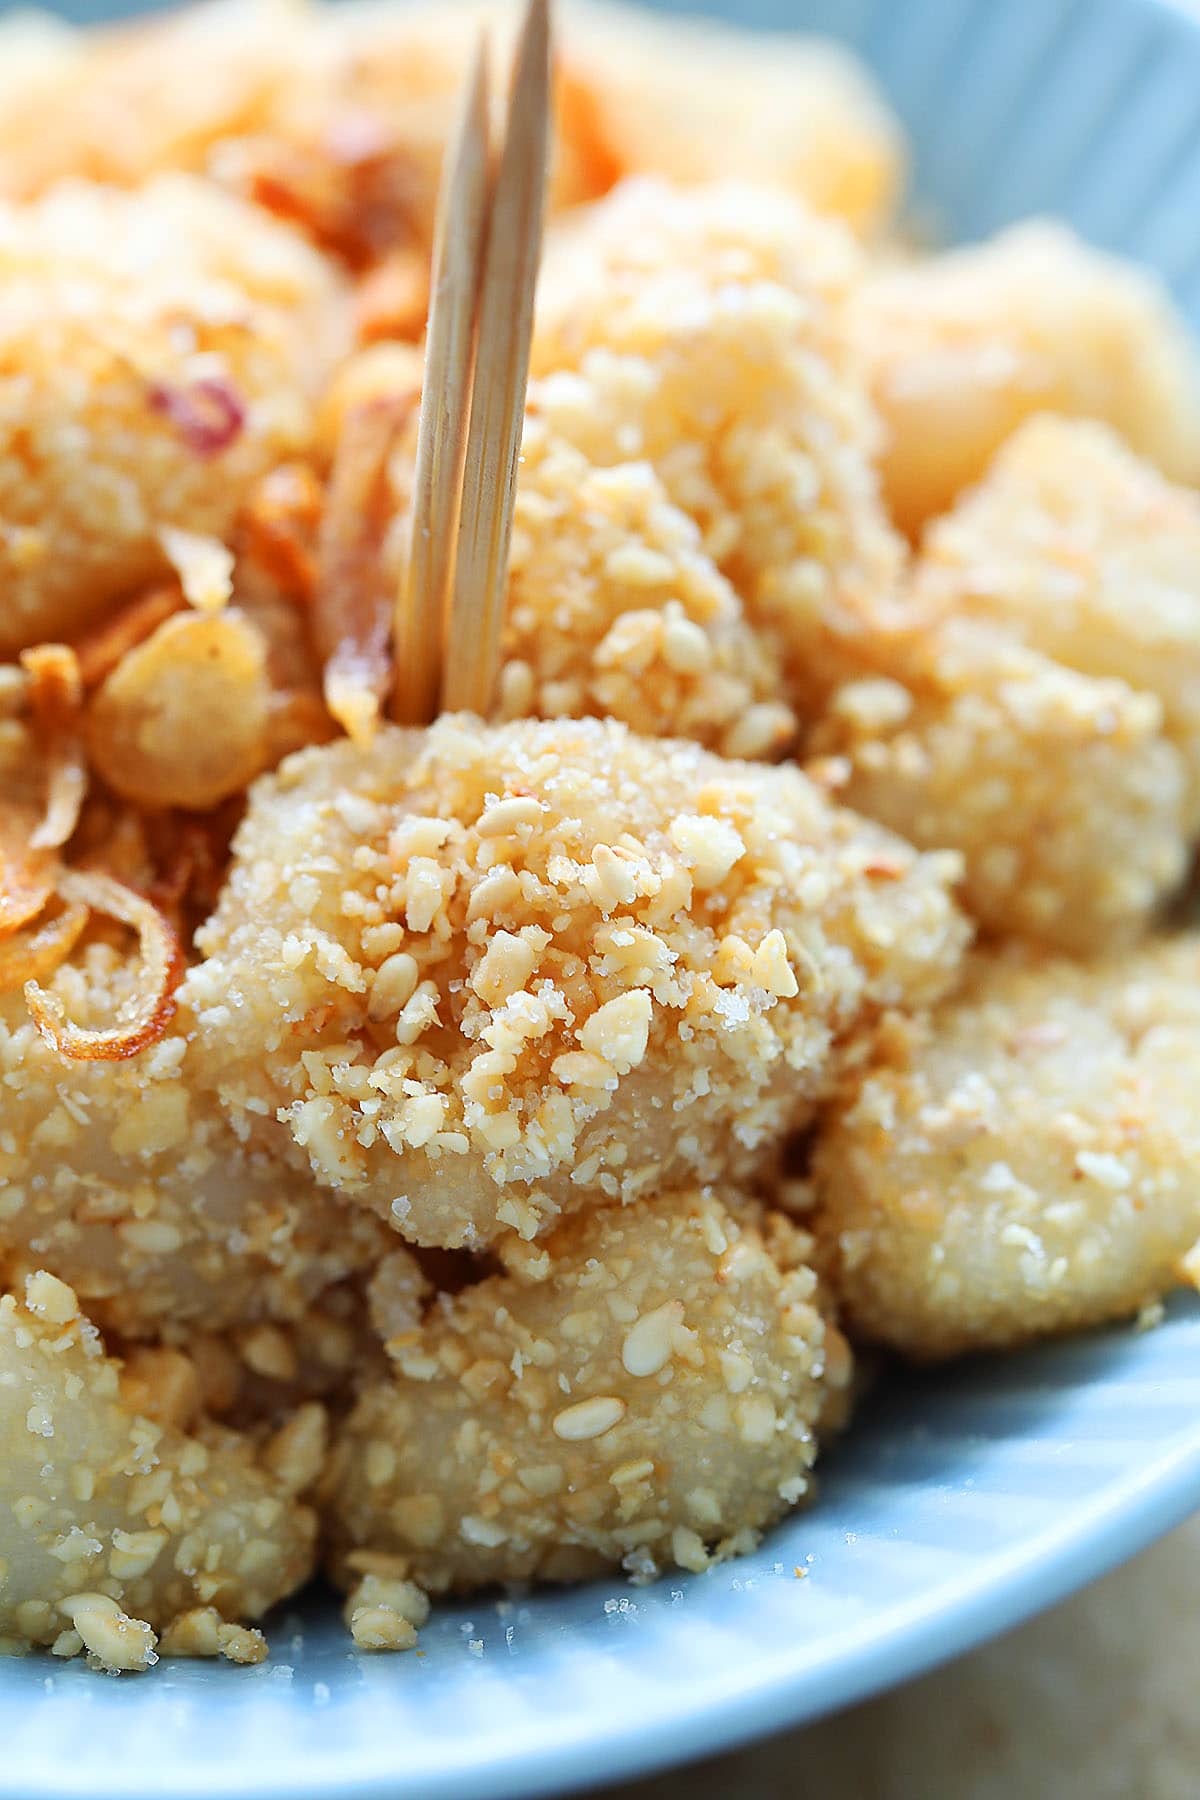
162	970
35	954
353	603
27	873
101	648
55	702
182	719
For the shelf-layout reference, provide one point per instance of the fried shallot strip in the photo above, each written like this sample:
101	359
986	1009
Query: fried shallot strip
162	960
352	605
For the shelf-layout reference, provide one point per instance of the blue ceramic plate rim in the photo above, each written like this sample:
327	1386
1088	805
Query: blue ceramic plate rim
772	1696
782	1686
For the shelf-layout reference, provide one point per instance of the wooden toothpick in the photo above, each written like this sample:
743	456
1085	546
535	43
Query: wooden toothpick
455	285
513	251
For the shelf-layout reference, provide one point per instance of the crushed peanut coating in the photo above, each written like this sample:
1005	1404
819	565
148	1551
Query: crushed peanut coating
696	489
704	332
107	1513
1033	698
640	1389
1060	791
963	346
1077	548
124	1180
333	118
486	975
385	1612
203	1632
337	117
159	351
616	609
1028	1162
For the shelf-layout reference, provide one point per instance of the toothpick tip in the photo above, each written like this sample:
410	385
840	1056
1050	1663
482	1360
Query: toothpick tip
471	662
445	401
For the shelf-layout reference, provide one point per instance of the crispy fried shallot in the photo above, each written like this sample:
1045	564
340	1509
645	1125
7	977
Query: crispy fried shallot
208	414
14	688
26	872
279	528
349	187
147	1018
203	564
393	300
297	719
183	718
99	650
34	955
352	610
55	697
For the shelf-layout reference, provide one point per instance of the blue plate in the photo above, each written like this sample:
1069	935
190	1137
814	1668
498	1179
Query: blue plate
960	1503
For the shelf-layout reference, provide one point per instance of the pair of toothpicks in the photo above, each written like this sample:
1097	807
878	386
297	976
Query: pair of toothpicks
485	260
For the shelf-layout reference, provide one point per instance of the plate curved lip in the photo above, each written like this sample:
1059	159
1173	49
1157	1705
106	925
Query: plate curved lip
763	1698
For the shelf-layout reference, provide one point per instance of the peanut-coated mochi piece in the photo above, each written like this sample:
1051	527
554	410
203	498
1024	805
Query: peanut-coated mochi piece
704	332
114	1522
960	348
1026	1163
645	1386
1032	696
1078	548
481	976
159	351
124	1179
